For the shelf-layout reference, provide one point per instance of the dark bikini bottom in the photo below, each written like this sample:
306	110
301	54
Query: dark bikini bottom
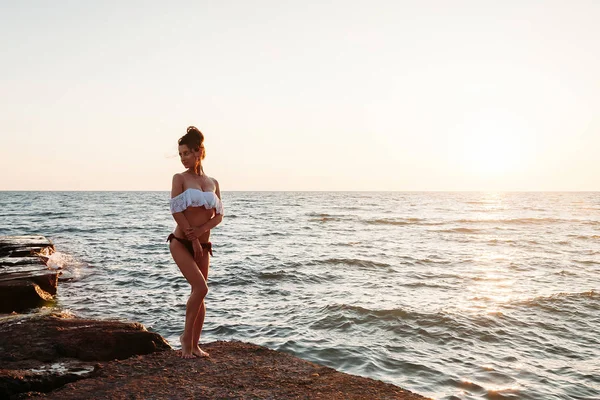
189	246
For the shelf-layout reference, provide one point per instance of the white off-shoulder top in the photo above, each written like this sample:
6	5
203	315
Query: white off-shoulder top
196	198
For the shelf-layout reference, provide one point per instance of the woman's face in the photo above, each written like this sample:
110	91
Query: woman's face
188	157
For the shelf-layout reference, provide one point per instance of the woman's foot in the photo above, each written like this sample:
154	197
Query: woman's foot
197	351
186	348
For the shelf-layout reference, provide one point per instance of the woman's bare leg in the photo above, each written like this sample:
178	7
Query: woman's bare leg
199	322
192	274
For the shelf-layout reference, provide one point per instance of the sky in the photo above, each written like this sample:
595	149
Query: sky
429	95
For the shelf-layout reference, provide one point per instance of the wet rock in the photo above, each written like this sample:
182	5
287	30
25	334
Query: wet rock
25	280
35	377
25	246
19	295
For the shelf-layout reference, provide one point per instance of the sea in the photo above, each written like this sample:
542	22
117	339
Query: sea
460	295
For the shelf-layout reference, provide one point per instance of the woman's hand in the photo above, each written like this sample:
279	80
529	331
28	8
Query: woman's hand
193	233
190	234
198	251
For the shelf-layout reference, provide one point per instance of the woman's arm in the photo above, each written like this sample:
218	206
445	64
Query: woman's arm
176	190
217	190
214	221
207	226
182	222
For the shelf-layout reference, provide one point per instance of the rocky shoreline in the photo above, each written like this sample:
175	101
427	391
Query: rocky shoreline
54	355
43	351
25	279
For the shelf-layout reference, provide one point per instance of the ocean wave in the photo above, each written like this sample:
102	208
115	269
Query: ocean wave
428	275
274	292
516	221
422	320
324	217
585	237
275	233
356	262
491	279
392	221
565	273
435	327
275	275
491	394
19	214
232	280
588	262
427	285
293	276
385	314
509	242
53	214
429	261
465	385
460	230
319	215
61	260
401	221
589	222
556	299
103	228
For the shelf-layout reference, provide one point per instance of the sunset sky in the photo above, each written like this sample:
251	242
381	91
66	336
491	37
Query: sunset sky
347	95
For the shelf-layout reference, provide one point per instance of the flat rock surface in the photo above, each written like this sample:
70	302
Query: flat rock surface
234	370
24	246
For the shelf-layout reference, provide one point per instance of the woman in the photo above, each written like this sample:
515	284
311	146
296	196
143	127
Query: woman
196	207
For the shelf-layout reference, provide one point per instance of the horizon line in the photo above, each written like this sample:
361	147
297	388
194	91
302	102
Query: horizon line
319	191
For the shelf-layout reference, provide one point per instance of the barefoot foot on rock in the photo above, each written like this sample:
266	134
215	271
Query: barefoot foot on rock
186	348
197	351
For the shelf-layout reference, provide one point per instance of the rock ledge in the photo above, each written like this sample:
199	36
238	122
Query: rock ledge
56	356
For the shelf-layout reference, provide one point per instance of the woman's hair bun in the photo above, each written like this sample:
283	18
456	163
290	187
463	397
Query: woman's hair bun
194	140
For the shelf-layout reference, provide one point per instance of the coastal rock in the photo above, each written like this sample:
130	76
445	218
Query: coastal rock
31	376
25	246
42	352
18	295
25	280
234	370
